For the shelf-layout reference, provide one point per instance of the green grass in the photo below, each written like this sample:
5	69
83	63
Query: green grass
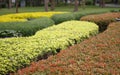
68	8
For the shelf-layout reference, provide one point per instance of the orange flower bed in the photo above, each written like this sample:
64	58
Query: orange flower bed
95	56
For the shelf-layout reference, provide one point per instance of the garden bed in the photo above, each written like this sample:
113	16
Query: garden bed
19	52
96	55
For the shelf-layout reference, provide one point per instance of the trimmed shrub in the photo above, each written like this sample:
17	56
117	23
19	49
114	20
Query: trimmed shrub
98	55
19	52
26	28
102	20
22	17
9	33
58	18
78	15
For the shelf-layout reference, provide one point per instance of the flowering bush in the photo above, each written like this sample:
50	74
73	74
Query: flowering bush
24	16
96	56
19	52
102	19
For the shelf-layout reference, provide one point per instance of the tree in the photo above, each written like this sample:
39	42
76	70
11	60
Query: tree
94	2
102	3
10	4
17	3
52	6
75	5
46	5
83	4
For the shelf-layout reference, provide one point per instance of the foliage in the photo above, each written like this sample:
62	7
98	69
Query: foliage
89	2
58	18
26	28
19	52
102	19
9	33
78	15
98	55
24	16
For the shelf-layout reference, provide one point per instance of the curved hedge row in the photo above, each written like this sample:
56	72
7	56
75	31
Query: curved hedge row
18	52
102	19
59	18
21	17
99	55
15	29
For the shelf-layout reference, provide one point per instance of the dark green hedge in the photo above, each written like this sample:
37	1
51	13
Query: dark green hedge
11	29
58	18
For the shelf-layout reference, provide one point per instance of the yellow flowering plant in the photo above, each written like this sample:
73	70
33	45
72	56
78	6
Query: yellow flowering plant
21	17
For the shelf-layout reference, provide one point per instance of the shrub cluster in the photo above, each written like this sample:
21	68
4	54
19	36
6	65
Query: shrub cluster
21	17
19	52
98	55
102	19
58	18
24	28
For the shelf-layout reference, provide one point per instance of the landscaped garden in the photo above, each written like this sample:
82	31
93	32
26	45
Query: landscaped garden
60	42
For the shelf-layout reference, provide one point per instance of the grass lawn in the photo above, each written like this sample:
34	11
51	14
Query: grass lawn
61	8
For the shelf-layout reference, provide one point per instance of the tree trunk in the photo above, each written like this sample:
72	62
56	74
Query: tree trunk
76	5
10	4
102	3
94	2
52	4
17	3
31	3
83	4
46	5
66	2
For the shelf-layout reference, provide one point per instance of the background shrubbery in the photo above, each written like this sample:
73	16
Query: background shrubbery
58	18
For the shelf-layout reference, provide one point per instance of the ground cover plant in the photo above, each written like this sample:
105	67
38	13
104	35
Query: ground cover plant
98	55
21	17
28	28
102	20
19	52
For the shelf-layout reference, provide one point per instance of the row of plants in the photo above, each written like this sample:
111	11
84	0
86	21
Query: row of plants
19	52
103	20
59	18
28	28
17	29
22	17
98	55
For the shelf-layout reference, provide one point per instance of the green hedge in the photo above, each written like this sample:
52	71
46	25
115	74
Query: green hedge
58	18
19	52
24	28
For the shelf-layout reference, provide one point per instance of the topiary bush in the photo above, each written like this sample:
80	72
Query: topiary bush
26	28
19	52
102	20
58	18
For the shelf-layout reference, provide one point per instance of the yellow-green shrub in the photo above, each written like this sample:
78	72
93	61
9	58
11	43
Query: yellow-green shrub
18	52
